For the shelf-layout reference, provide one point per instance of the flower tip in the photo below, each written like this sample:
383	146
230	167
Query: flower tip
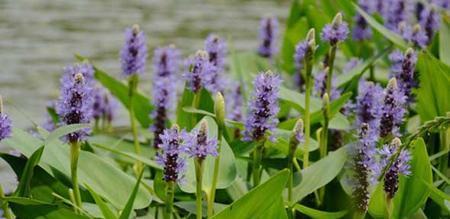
409	52
396	142
299	126
203	127
176	127
79	77
326	99
136	29
311	35
392	84
219	108
201	53
337	20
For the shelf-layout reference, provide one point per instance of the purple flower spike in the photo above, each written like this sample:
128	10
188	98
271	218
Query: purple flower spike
5	126
198	69
403	67
263	107
351	65
104	106
134	52
430	21
268	31
397	11
166	66
414	35
369	108
365	168
320	85
335	32
235	102
75	105
170	156
217	51
198	144
393	110
362	31
400	166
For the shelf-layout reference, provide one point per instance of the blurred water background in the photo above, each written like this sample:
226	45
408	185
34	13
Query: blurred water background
39	37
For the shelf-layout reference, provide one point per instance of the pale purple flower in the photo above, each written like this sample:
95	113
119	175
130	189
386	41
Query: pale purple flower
362	30
5	126
171	154
299	58
166	66
263	107
399	166
369	108
268	31
75	105
104	106
198	144
198	71
49	123
134	52
335	32
217	51
235	102
364	167
320	85
397	11
403	67
430	21
351	64
393	110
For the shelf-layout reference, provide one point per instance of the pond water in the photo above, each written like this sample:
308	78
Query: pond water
39	37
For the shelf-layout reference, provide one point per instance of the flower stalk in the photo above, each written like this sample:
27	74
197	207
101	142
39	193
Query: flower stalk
132	85
219	109
170	194
4	204
295	139
199	191
74	155
308	85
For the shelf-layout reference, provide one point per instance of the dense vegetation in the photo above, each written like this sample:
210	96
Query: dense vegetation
345	114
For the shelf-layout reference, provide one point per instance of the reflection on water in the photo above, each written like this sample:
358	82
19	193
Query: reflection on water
39	37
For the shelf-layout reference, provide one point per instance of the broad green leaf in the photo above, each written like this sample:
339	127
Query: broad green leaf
227	170
433	93
277	210
438	196
391	36
93	170
103	206
184	118
320	173
142	106
258	201
444	38
190	206
313	213
126	212
23	189
292	36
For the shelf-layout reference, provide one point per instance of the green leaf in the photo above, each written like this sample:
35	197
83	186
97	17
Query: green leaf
24	201
257	202
44	212
433	93
93	170
190	206
56	134
438	196
106	211
444	38
23	189
141	106
126	212
320	173
391	36
227	170
313	213
277	210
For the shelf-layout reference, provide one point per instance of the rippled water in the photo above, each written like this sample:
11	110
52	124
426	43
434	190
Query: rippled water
39	37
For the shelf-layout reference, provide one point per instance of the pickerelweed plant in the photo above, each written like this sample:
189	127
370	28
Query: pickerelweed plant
353	123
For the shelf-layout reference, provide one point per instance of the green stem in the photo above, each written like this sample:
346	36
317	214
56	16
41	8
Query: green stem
132	84
444	146
257	157
307	115
199	191
170	194
389	207
74	155
212	193
359	215
4	204
292	150
372	73
331	56
195	105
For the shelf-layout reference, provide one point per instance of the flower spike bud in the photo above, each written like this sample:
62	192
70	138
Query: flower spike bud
396	142
219	109
79	77
337	20
392	84
203	128
1	104
202	53
326	100
5	123
297	133
409	52
136	29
